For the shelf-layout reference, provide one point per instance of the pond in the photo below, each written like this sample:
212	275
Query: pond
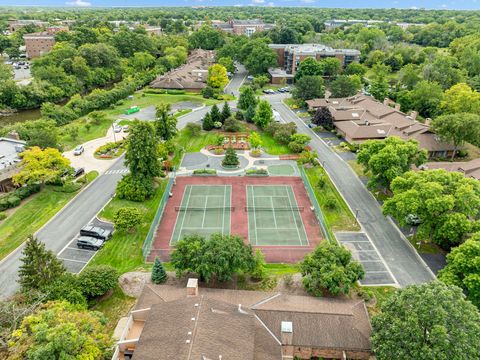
20	116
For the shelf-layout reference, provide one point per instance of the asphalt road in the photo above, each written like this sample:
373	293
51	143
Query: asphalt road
403	261
62	228
237	81
65	225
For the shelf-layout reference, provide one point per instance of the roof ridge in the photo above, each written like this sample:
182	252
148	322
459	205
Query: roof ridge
267	299
306	312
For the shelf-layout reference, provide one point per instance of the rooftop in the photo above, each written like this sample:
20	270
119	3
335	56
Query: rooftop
312	49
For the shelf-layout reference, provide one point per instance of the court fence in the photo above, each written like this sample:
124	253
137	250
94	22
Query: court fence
147	244
316	206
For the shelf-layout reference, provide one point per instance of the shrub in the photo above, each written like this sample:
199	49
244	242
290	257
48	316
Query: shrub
3	215
231	158
204	172
217	124
208	92
232	125
193	129
127	218
256	172
255	152
97	280
331	203
68	187
136	188
239	115
321	182
259	271
308	157
159	276
13	201
218	151
167	165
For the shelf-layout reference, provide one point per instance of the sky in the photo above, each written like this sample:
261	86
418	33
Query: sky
405	4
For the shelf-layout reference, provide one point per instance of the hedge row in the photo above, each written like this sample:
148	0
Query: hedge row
13	199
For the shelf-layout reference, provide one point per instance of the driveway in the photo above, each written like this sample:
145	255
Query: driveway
403	261
233	86
87	160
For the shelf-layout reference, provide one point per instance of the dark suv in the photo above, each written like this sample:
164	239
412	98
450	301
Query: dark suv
96	232
87	242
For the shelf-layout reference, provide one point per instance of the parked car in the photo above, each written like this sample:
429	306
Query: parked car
88	242
26	67
269	91
78	150
21	63
78	171
126	128
117	128
312	125
96	232
17	67
249	77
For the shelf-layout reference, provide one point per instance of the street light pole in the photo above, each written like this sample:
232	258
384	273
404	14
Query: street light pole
356	214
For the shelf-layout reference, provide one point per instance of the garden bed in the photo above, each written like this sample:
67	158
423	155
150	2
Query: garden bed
110	150
256	172
205	172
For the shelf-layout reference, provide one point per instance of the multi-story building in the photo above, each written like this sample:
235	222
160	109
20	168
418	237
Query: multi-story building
38	44
14	25
289	57
239	27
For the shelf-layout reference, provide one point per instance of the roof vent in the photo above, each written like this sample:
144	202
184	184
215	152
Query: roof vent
287	326
355	115
193	319
187	341
189	333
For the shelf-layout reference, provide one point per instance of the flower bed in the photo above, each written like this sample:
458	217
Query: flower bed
110	150
256	172
205	172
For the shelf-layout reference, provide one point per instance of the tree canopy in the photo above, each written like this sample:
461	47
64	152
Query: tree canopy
309	87
386	159
263	114
165	123
430	322
447	204
330	268
217	76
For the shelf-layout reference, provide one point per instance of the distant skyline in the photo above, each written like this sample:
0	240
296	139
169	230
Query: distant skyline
402	4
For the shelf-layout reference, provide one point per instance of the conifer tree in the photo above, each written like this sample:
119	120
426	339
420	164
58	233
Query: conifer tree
159	276
215	114
40	267
207	124
231	158
249	114
226	112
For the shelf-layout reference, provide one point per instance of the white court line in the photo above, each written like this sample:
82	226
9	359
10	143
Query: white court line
293	215
204	210
223	212
205	228
254	215
273	212
181	213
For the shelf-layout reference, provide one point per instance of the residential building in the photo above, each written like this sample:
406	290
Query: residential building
239	27
38	44
289	57
14	25
170	322
190	76
470	168
361	118
336	23
10	148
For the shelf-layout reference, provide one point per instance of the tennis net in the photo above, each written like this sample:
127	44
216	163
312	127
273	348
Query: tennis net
208	208
280	208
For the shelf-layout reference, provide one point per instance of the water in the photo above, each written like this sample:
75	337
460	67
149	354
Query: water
20	116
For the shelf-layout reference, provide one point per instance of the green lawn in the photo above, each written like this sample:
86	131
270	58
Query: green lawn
271	146
124	250
356	167
30	216
95	132
189	143
340	218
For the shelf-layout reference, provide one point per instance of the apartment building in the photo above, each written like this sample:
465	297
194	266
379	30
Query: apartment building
38	44
239	27
289	57
14	25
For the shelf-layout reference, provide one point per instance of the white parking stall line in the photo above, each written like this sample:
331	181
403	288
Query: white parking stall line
77	261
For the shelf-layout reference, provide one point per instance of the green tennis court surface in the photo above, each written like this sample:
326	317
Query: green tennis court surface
274	217
205	209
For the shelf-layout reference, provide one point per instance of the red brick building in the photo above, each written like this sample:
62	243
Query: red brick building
38	44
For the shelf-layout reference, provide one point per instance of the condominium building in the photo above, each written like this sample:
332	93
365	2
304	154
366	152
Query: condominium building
38	44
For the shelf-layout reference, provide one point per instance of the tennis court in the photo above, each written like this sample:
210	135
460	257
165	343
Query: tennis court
205	209
274	217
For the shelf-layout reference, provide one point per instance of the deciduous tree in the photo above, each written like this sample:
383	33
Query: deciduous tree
323	117
458	129
345	86
217	76
461	98
97	280
127	218
430	322
141	156
263	114
309	87
165	123
389	158
247	98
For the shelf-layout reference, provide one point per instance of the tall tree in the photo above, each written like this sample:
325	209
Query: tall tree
215	114
59	330
426	98
207	123
345	86
141	156
217	76
165	123
263	115
447	203
260	59
40	166
323	117
308	67
309	87
219	257
463	268
429	322
247	98
39	267
226	112
330	66
461	98
379	87
458	129
330	268
389	158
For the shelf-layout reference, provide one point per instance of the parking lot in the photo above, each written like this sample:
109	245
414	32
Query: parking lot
376	270
76	259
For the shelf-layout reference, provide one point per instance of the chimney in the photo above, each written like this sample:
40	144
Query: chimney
192	287
413	115
287	333
386	101
428	121
397	107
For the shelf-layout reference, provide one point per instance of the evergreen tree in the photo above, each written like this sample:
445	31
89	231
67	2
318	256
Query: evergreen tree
215	114
141	156
40	267
247	98
231	158
165	124
249	114
207	124
226	112
159	276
